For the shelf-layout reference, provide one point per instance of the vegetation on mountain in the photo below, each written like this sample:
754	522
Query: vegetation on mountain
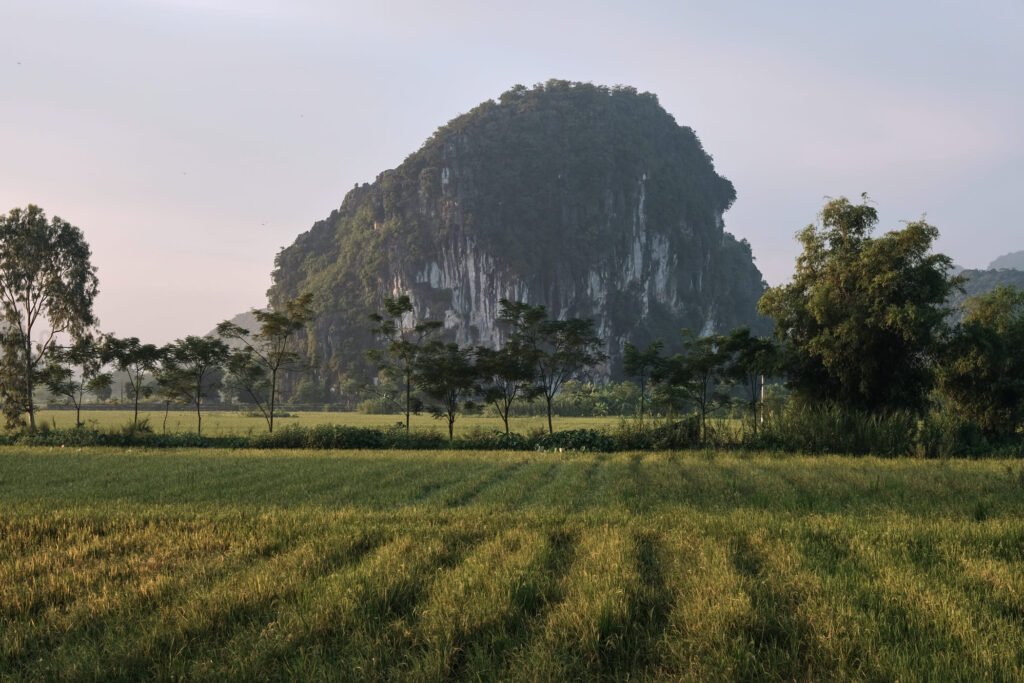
590	201
1012	261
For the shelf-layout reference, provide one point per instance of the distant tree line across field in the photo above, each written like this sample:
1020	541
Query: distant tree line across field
863	328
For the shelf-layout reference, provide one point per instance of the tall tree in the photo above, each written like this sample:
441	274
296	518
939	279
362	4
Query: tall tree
404	341
191	371
749	360
268	352
445	373
694	375
505	374
137	361
640	364
982	371
76	369
559	349
863	316
48	285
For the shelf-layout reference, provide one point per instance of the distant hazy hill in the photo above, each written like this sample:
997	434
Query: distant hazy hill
591	201
1014	261
983	281
246	320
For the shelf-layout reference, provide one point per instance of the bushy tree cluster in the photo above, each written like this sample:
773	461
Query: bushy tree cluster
539	356
706	373
865	326
49	334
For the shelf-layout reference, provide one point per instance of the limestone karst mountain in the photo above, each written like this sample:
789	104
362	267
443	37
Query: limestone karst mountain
589	200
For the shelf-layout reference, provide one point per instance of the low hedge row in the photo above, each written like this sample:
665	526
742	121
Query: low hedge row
810	432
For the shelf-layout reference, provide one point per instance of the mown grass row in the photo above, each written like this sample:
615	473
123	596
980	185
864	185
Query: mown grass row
447	566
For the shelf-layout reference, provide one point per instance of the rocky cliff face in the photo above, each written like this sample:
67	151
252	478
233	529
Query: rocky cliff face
588	200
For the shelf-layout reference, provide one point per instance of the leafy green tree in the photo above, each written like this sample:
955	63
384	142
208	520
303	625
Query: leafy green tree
403	344
76	369
445	373
695	375
558	349
640	364
749	360
267	353
13	401
505	375
983	366
48	285
863	316
137	361
191	371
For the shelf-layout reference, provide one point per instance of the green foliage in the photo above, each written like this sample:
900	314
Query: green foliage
77	369
192	371
576	440
558	350
834	429
137	361
265	354
445	374
863	316
405	341
694	376
750	362
982	373
505	375
47	286
641	364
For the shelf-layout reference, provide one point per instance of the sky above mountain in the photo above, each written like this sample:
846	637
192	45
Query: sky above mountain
192	139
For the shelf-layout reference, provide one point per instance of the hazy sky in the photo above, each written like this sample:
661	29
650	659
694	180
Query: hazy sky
192	139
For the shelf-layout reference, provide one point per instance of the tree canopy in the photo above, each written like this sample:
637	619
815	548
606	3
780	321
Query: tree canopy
863	317
47	285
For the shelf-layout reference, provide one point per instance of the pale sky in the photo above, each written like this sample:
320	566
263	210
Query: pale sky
192	139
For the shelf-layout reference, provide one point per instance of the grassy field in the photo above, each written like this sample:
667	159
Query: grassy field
218	423
360	566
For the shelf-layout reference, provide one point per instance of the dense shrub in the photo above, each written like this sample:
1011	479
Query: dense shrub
576	440
802	430
829	429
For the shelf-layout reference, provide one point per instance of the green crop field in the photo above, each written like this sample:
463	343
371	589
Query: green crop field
214	565
219	423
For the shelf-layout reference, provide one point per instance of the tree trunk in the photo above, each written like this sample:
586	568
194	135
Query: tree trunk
451	427
408	401
642	387
137	386
199	408
273	390
551	428
30	402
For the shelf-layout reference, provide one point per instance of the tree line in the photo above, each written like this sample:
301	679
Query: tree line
863	326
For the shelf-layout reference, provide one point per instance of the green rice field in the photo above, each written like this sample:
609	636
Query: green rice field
432	566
